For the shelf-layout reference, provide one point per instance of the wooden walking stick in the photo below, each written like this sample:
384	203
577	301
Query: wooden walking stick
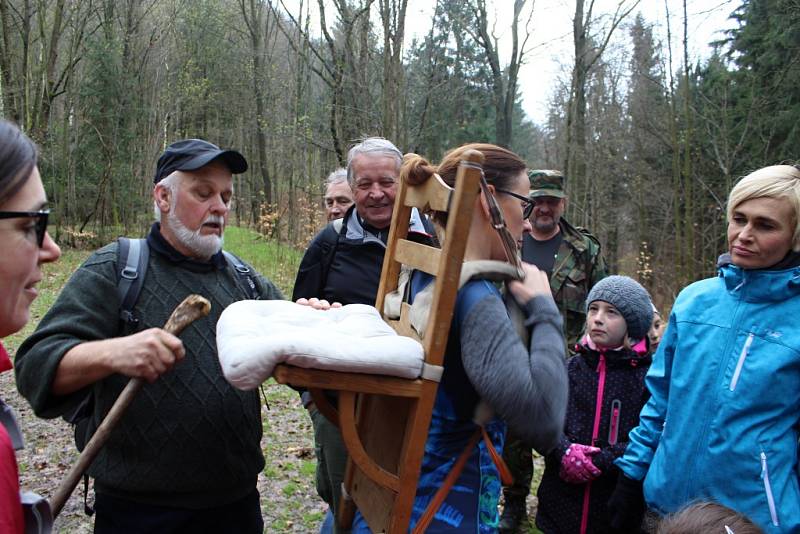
193	307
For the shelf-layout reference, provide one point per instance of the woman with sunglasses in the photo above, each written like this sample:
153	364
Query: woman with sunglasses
24	246
490	374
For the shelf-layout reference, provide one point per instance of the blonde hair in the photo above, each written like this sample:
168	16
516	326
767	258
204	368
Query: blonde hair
775	181
705	517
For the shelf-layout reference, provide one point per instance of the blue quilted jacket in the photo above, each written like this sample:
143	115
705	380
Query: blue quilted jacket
723	419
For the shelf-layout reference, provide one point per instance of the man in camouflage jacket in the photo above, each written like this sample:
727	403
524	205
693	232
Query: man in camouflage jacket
571	256
579	266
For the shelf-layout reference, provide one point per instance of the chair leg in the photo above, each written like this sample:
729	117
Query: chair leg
355	447
347	508
324	406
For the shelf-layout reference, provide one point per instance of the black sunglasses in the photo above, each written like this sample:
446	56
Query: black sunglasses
528	203
41	221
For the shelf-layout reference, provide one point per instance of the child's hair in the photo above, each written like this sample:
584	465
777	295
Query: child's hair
630	298
707	517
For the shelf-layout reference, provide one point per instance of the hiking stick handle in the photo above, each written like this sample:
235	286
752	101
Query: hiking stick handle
193	307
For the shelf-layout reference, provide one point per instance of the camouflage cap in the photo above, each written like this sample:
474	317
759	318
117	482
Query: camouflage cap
546	183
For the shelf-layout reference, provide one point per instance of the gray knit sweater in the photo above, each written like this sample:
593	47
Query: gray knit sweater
189	439
525	386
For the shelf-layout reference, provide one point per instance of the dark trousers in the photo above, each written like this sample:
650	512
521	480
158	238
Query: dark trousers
121	516
331	462
519	459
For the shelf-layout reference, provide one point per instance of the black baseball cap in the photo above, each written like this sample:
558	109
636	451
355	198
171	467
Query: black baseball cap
191	154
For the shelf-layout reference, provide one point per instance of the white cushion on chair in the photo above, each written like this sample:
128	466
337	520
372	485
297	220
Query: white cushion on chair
255	335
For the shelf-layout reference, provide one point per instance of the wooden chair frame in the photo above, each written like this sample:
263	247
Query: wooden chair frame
384	420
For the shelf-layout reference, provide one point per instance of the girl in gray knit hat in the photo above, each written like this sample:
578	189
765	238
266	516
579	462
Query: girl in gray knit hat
606	393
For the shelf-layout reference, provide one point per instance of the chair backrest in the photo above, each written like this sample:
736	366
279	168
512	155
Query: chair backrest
445	263
393	427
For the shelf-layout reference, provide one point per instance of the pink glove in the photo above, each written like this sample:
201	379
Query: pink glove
577	466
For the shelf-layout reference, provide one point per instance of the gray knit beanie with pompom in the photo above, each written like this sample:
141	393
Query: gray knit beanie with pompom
630	298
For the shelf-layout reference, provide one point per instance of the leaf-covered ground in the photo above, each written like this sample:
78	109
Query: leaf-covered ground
289	501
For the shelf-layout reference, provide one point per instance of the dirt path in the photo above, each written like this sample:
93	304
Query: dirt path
289	501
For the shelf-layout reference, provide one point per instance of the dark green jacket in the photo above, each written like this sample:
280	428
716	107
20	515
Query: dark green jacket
579	265
189	439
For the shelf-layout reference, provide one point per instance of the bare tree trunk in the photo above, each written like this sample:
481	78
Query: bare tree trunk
11	84
585	58
253	14
504	84
393	14
688	182
677	214
45	85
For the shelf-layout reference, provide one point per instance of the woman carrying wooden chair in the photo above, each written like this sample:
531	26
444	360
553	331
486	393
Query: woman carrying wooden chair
491	377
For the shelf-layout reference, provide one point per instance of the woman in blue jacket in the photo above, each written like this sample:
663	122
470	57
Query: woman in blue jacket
723	420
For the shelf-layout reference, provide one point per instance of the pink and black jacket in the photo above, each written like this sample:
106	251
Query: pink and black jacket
606	394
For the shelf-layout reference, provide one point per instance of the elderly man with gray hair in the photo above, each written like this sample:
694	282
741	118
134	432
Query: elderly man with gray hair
343	264
187	454
338	195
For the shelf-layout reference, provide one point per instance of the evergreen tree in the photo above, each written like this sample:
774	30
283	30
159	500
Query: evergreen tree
765	48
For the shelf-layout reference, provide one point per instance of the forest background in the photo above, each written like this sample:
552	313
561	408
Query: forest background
650	140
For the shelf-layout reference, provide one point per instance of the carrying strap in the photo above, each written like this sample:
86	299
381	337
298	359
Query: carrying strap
244	275
451	478
329	245
486	270
496	271
133	256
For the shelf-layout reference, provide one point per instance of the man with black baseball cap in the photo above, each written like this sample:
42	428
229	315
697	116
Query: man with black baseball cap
192	154
187	453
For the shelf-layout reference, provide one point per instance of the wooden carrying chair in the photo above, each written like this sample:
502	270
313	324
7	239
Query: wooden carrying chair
384	420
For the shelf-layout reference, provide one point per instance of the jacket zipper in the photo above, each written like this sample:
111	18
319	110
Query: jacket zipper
704	419
768	488
598	408
740	363
613	427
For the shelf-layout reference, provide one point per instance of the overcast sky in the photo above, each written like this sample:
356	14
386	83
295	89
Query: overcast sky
550	46
552	37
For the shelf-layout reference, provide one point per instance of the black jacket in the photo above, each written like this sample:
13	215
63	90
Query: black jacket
624	394
346	266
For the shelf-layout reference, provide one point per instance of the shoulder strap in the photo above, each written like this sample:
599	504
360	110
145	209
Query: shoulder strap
329	243
455	471
243	274
132	256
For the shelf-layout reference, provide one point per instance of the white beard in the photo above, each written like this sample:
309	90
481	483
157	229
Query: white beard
203	246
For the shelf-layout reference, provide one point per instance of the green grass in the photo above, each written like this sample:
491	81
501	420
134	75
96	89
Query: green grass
312	520
55	276
308	468
291	488
277	262
280	525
